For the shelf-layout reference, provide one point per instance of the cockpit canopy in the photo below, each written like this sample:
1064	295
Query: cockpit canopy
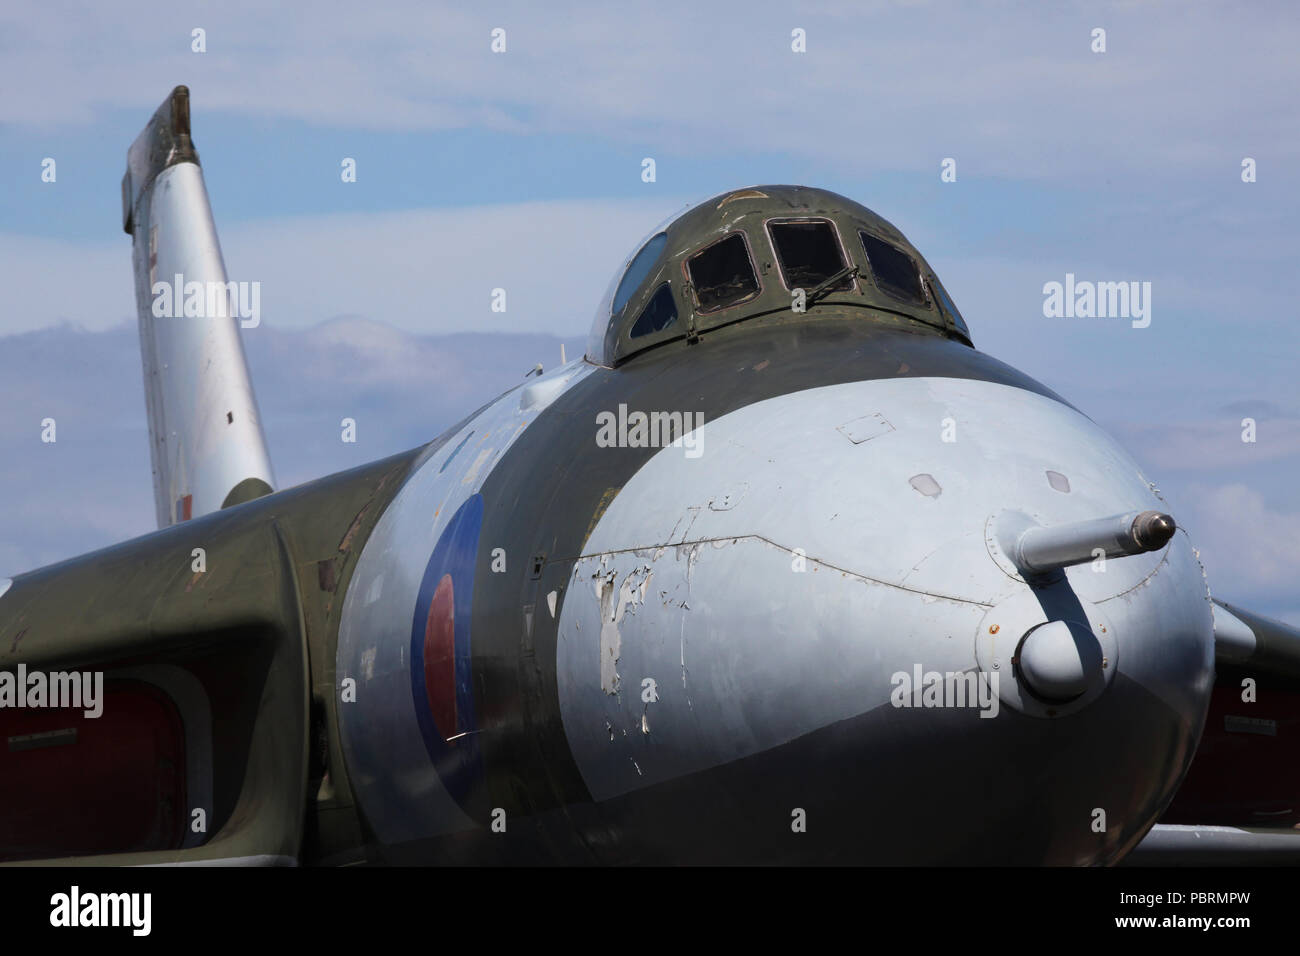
747	252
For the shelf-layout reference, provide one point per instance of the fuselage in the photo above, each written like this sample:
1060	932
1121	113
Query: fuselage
722	650
754	581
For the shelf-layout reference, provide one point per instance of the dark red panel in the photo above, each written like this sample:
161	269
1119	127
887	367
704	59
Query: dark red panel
85	785
1247	769
440	658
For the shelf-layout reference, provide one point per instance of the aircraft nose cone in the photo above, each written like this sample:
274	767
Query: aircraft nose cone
1056	660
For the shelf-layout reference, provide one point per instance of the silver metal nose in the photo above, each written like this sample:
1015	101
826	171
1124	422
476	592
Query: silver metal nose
1057	659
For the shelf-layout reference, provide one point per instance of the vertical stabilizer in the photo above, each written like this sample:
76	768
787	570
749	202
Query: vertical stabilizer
205	435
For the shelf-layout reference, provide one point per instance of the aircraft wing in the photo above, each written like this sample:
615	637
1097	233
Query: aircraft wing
1240	802
1176	845
186	681
1244	639
208	639
160	692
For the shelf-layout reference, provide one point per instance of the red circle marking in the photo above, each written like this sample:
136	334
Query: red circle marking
440	658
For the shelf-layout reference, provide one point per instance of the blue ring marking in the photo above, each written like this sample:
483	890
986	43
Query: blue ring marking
459	763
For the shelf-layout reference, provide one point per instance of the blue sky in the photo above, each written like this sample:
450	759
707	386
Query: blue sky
523	170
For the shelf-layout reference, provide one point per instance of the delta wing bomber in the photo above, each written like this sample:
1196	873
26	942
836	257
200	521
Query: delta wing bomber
782	570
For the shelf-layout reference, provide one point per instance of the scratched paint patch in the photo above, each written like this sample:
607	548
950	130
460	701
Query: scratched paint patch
615	602
441	678
474	469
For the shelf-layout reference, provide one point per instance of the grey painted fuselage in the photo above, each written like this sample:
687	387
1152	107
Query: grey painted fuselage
693	653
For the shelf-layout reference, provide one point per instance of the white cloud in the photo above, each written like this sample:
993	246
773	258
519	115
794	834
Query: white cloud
894	86
1249	547
1215	445
429	271
92	488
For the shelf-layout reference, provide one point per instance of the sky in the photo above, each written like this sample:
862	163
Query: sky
522	170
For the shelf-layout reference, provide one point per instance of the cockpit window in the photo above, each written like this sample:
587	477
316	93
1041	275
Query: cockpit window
637	271
894	271
946	303
659	313
723	274
809	253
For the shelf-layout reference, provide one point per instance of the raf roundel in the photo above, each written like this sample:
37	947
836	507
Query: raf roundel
441	683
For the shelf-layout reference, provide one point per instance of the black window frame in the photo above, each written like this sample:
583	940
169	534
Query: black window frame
753	268
926	301
663	287
614	309
947	307
845	258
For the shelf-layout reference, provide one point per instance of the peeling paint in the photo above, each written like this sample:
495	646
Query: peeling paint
348	535
683	653
729	498
742	194
630	593
692	514
326	575
1164	560
482	458
690	551
601	505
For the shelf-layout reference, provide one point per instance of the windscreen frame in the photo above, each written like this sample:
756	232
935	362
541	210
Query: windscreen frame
694	297
846	259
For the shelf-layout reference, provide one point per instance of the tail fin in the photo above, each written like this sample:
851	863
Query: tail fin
205	435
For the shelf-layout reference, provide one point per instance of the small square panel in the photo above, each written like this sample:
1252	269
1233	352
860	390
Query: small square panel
865	428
